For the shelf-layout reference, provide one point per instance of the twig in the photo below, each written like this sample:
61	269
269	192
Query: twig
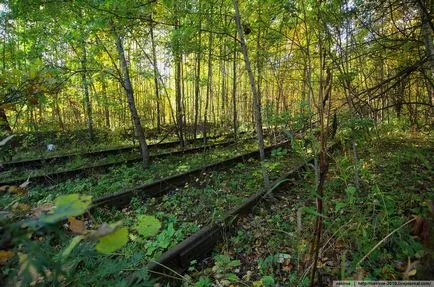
384	239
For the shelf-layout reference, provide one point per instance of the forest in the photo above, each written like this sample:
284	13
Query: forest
210	143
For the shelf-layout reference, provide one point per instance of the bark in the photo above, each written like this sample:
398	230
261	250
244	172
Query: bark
85	83
428	40
234	90
4	123
256	100
106	106
197	80
209	90
131	104
156	87
179	116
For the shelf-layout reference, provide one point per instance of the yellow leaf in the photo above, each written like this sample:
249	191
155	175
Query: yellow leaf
13	189
412	273
21	207
5	256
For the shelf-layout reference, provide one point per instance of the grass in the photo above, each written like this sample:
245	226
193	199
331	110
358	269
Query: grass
396	185
122	176
181	212
80	161
184	211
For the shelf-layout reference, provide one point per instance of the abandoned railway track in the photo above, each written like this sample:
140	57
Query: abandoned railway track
57	176
39	162
164	185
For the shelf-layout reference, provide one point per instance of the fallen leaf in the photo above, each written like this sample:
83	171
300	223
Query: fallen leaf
103	230
113	241
42	209
13	189
20	207
417	227
76	226
5	255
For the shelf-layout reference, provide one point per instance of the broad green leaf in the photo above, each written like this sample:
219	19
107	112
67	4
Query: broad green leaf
339	205
268	281
147	225
113	241
67	206
74	242
231	277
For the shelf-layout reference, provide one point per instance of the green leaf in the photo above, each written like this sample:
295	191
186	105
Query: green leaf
339	205
231	277
147	225
268	281
113	241
67	206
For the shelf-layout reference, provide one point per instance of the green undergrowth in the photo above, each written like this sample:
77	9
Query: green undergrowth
30	147
122	177
394	187
77	162
181	212
185	210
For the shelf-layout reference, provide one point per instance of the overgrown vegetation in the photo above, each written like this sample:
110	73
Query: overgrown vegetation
349	83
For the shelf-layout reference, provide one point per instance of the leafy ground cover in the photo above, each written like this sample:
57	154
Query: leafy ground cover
33	146
122	177
390	208
181	213
83	161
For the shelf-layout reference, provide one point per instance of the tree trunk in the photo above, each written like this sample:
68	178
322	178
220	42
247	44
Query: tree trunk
131	104
106	106
428	40
179	116
197	79
234	90
85	83
4	123
256	100
155	65
197	85
209	90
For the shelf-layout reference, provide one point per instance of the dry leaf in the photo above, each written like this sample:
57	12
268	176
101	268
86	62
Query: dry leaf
13	189
5	256
20	207
44	208
417	227
76	226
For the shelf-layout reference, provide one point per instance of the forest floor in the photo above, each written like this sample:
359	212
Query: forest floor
393	204
378	218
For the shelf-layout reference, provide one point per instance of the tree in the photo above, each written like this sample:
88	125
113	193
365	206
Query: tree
130	96
256	99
